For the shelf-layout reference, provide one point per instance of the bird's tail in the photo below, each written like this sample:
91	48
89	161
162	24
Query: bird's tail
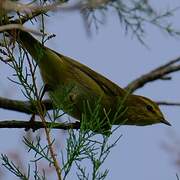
28	42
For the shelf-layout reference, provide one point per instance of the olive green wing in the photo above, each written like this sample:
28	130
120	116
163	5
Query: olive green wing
105	84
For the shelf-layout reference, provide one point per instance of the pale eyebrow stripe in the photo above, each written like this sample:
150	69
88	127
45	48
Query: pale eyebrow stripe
147	101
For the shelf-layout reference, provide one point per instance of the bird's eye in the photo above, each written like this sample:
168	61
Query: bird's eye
149	108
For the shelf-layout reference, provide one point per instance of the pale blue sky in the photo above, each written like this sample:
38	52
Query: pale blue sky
139	154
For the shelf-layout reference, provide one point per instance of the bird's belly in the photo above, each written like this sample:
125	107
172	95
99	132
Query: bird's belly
76	100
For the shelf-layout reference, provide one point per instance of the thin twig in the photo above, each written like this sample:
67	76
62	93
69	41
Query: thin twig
156	74
165	103
41	111
48	137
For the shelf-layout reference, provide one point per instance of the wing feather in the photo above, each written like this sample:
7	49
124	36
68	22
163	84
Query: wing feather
105	84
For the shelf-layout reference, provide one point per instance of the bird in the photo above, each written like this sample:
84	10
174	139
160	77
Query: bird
85	94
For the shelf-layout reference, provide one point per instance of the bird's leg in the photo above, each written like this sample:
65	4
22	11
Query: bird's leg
31	123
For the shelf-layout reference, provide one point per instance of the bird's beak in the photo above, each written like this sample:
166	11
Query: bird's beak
165	122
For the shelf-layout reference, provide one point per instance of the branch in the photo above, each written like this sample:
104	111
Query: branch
159	73
165	103
37	125
18	26
22	106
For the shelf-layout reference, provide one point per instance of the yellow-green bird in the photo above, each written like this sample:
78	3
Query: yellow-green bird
88	93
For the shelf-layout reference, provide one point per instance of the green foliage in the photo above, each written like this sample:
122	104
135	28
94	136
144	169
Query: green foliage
85	147
13	168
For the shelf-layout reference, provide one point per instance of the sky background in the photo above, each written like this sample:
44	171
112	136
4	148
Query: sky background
140	154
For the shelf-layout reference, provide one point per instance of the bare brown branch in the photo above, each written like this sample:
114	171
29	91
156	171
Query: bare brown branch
157	74
22	106
37	125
